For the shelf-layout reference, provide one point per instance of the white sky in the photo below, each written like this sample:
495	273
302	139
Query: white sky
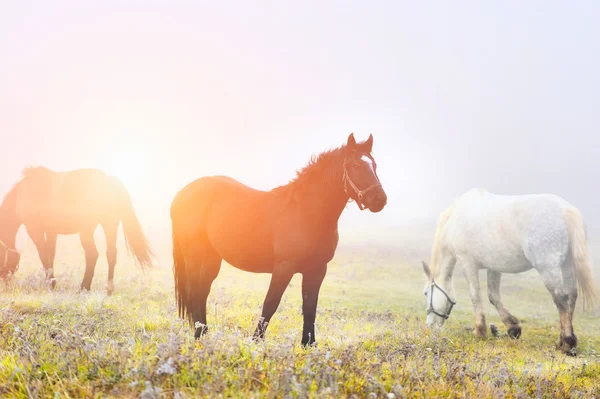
502	95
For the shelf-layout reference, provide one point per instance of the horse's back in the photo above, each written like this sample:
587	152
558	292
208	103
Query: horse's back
65	200
508	232
202	192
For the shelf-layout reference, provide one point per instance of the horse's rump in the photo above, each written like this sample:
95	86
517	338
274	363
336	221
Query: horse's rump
234	219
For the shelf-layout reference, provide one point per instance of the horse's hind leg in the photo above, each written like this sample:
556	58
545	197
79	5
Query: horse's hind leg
570	284
510	321
202	265
51	253
110	231
564	294
91	257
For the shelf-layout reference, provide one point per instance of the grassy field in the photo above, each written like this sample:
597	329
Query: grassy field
372	341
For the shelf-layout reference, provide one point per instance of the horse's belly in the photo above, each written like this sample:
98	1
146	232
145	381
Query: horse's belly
246	253
249	262
510	267
504	261
61	223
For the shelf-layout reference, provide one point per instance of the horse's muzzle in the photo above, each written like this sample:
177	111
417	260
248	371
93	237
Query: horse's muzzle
378	202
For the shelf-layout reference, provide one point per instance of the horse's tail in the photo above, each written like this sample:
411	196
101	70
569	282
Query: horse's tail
137	243
180	277
579	256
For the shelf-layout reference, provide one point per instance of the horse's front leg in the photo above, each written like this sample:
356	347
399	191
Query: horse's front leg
510	321
472	274
46	249
282	274
91	257
311	284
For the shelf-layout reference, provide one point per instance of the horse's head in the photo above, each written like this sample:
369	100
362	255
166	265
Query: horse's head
438	298
9	260
360	179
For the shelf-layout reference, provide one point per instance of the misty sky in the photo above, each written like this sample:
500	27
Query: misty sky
502	95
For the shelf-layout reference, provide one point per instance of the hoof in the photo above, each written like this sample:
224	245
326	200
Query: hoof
84	291
568	345
51	283
308	344
514	332
257	336
261	329
494	330
480	331
200	331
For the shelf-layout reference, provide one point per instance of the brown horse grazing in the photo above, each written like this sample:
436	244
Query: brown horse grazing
50	203
290	229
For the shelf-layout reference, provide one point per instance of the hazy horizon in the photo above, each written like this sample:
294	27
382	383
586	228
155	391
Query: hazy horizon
501	96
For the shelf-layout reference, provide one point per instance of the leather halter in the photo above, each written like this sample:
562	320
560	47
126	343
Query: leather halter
7	249
359	193
430	309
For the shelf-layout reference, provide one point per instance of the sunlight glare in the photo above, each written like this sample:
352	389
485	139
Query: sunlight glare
128	166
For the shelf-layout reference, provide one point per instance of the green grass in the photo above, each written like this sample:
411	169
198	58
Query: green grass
370	330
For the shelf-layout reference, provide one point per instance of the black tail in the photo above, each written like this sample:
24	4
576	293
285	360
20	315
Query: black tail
180	277
137	243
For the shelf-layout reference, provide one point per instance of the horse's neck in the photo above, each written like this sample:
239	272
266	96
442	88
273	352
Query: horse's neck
326	192
444	270
9	225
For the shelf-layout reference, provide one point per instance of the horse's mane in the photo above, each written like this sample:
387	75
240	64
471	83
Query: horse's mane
31	170
317	166
10	198
435	253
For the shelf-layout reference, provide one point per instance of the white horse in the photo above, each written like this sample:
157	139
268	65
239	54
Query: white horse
510	234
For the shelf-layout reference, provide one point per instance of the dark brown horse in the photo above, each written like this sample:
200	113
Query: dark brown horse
290	229
50	203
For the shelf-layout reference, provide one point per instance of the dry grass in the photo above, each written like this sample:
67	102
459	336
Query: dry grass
370	330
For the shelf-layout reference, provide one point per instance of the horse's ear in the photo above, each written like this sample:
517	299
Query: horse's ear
426	269
368	145
351	142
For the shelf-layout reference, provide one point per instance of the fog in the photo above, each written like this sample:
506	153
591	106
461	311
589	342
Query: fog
502	96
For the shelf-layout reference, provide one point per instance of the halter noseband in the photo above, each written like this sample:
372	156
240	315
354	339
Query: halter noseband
359	193
430	309
7	249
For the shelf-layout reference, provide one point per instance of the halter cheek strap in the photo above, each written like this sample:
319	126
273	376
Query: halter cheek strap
359	193
430	309
7	249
